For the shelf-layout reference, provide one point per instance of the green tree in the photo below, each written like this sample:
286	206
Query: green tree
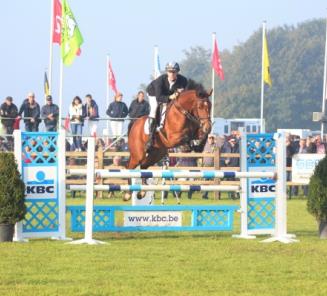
296	66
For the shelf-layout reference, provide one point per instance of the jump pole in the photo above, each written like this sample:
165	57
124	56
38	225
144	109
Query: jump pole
280	232
88	234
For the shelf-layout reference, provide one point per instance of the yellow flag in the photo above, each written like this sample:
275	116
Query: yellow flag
46	85
266	63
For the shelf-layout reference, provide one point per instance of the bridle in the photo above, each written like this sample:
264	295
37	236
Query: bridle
195	119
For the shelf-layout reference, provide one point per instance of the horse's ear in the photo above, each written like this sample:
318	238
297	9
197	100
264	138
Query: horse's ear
210	93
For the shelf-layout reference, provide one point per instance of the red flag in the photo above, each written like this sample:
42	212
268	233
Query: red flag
112	79
216	62
57	14
66	124
16	123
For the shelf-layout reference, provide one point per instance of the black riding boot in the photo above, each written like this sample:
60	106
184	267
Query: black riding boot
152	128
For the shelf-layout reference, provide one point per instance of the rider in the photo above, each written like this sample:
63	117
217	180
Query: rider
160	91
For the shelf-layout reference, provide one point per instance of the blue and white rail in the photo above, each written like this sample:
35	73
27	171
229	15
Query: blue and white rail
173	174
159	187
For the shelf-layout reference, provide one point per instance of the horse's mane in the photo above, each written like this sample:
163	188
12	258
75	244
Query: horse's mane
198	87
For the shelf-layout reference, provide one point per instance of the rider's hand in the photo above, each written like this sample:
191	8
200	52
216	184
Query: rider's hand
173	96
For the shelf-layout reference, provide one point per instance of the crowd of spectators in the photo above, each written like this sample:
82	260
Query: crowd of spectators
80	115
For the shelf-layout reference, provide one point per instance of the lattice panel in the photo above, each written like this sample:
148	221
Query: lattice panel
101	219
39	148
42	216
261	213
260	150
212	218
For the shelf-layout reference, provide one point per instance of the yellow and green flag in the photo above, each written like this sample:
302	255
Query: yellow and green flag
46	85
266	63
71	37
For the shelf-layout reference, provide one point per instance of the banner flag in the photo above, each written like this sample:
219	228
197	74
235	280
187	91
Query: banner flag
266	63
112	79
216	62
71	37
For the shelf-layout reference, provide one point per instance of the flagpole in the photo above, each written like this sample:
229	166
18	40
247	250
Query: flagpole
107	93
262	125
213	80
50	49
60	91
323	110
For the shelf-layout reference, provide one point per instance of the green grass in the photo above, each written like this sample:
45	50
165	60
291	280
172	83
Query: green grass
206	263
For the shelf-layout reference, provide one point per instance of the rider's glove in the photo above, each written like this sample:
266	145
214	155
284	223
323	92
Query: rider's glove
173	96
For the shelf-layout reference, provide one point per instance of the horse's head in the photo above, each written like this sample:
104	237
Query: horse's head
196	102
202	112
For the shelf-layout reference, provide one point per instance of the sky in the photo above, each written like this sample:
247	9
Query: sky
127	30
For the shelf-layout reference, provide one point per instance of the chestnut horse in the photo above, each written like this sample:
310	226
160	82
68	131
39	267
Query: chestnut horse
187	119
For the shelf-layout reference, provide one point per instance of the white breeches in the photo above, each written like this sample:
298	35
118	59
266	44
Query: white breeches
163	114
153	106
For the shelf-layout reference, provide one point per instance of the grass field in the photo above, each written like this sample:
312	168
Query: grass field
206	263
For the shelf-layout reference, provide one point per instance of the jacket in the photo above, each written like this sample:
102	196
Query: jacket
117	110
91	111
138	109
50	109
30	111
160	89
10	112
76	114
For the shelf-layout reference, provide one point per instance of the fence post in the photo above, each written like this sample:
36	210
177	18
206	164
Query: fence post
88	233
100	154
280	233
217	167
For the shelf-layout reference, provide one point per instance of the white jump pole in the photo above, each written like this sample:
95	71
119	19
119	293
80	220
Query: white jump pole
159	187
173	174
88	234
244	194
280	233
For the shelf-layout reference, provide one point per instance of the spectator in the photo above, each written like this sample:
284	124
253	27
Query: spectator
290	151
303	146
230	146
3	145
311	147
117	109
31	110
76	122
303	149
91	113
50	114
99	143
320	146
138	108
8	110
210	147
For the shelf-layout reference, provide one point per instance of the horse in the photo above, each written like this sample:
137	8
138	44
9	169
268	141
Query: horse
187	119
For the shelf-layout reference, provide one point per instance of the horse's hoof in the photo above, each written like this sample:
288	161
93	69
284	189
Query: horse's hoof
127	196
140	195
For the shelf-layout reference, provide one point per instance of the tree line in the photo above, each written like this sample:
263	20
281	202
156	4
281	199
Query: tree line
296	66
